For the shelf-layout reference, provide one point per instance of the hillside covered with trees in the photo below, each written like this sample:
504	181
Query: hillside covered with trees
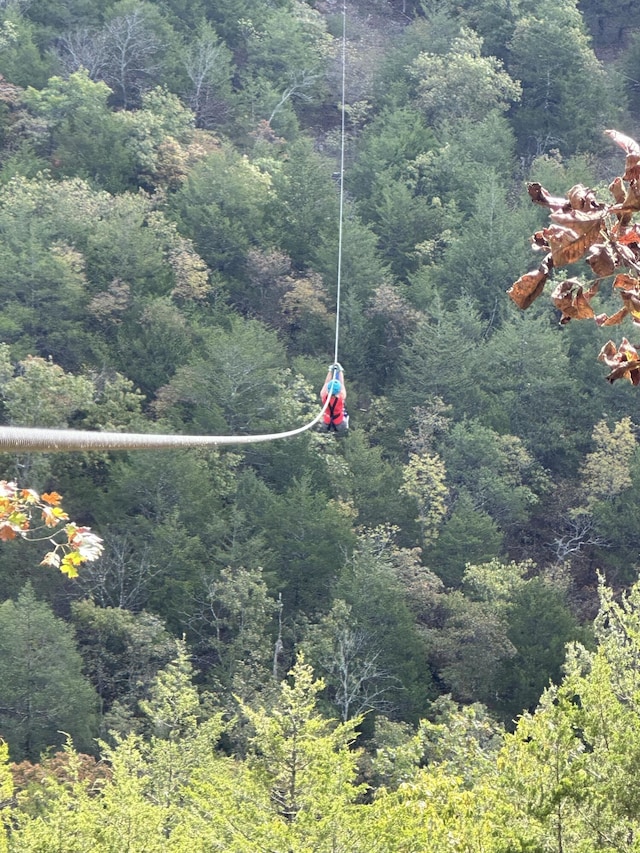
421	636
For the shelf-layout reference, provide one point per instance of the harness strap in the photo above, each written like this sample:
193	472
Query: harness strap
332	413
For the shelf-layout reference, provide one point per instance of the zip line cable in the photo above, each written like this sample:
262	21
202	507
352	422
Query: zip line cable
63	440
342	146
43	439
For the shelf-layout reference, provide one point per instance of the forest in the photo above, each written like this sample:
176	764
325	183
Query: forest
423	635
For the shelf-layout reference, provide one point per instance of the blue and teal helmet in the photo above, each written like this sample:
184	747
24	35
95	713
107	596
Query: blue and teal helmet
334	387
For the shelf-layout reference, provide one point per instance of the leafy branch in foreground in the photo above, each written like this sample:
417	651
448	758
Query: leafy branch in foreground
605	235
28	515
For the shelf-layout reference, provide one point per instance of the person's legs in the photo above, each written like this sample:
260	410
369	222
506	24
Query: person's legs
343	426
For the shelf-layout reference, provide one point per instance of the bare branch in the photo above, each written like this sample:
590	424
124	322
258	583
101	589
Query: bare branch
84	48
121	577
296	90
579	533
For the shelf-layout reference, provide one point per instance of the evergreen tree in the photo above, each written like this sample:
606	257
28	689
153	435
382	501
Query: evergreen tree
44	692
296	788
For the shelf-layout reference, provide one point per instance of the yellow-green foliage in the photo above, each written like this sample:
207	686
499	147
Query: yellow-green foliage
424	481
606	471
6	791
567	779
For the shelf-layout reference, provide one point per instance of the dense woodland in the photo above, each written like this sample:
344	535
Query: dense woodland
423	636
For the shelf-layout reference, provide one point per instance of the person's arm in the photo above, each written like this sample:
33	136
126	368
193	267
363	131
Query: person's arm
324	391
338	374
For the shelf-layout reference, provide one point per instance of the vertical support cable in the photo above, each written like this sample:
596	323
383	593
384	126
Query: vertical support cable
65	440
342	147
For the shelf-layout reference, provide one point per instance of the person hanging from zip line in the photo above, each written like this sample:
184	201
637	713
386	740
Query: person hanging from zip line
335	418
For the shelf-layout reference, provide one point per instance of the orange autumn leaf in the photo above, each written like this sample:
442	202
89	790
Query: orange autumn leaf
7	532
629	236
26	514
52	498
624	281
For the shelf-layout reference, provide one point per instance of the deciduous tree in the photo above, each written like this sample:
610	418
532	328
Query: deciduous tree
563	85
424	480
462	83
122	653
208	65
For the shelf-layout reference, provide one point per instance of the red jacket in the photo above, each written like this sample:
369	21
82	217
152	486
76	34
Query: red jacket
334	413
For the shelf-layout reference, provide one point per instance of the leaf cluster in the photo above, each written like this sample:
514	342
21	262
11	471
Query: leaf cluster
28	515
605	235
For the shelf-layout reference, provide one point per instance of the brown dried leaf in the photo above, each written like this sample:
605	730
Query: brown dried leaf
528	287
628	255
617	190
630	287
572	235
631	302
583	198
624	281
614	320
630	203
624	362
628	145
539	242
540	196
607	354
602	259
632	150
603	234
631	168
571	298
558	236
